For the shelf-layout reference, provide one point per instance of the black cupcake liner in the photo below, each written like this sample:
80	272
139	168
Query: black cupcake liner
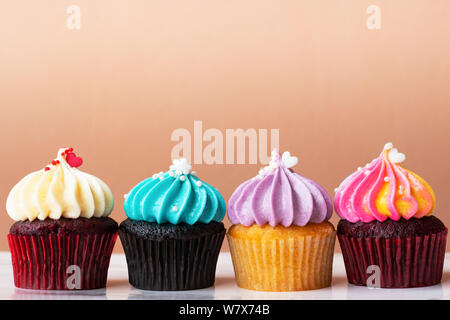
172	264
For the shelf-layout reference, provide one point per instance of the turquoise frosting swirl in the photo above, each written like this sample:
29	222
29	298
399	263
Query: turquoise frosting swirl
170	198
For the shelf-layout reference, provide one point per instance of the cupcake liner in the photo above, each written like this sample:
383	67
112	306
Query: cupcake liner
43	261
300	263
407	262
173	264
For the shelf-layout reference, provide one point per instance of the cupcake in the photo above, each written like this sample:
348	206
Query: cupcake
173	233
63	237
281	239
387	225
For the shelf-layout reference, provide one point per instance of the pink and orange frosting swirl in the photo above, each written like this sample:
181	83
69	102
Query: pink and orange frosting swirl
384	189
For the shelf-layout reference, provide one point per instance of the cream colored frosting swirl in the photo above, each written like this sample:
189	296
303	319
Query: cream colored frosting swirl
60	190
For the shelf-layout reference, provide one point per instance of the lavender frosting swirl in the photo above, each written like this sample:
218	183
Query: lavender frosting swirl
279	196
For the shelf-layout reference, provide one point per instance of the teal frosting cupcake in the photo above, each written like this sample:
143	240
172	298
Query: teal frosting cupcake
173	233
176	196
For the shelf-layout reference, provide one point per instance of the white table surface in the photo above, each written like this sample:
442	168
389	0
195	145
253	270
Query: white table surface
225	287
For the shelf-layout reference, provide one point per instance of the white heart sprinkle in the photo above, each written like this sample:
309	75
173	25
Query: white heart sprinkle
395	156
288	160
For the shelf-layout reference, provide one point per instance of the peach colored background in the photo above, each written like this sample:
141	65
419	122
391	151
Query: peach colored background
116	89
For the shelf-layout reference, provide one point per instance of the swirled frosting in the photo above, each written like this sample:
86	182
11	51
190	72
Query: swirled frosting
277	195
176	196
60	190
384	189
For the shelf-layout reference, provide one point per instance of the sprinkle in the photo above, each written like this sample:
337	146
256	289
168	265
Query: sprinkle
335	189
174	208
182	178
68	150
388	146
180	166
198	183
125	196
171	174
359	168
46	168
387	179
395	156
54	162
155	176
274	153
288	160
73	160
161	178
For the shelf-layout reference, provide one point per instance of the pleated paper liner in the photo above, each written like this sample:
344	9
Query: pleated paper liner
44	262
407	262
172	264
300	263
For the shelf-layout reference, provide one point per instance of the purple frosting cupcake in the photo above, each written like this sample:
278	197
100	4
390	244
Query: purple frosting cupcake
279	196
281	239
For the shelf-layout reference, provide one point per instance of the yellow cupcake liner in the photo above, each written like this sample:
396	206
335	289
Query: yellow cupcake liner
297	262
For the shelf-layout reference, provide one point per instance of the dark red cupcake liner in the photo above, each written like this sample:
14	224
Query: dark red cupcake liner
172	264
415	261
42	261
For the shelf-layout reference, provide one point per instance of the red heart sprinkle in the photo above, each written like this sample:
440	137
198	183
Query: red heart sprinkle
73	160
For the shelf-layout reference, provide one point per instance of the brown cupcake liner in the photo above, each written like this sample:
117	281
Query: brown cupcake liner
172	264
43	262
300	263
415	261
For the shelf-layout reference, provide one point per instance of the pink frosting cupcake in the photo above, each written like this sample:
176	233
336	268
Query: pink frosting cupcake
387	225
